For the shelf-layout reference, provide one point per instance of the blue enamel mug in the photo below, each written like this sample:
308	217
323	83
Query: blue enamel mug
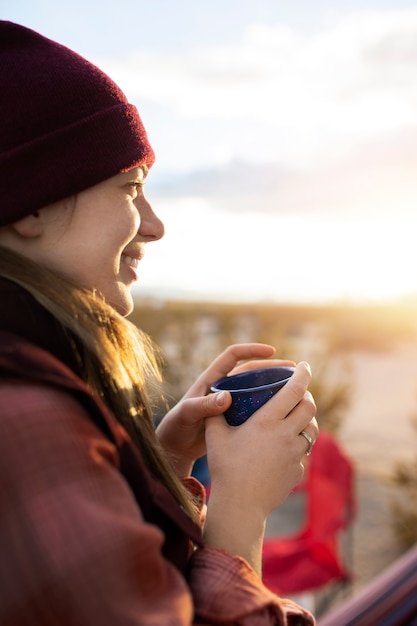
250	390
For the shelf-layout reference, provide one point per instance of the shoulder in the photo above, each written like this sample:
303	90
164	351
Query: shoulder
40	421
18	395
25	402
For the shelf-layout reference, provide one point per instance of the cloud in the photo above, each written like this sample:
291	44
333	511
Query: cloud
285	77
318	122
377	178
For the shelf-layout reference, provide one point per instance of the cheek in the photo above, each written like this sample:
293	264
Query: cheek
115	232
127	223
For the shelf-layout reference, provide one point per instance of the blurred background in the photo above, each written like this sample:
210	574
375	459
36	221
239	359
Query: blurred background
286	141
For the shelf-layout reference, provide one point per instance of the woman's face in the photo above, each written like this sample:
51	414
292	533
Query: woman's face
98	237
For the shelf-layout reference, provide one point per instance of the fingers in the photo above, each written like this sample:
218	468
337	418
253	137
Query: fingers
312	430
303	424
182	431
196	409
226	361
293	393
294	405
310	441
192	411
251	365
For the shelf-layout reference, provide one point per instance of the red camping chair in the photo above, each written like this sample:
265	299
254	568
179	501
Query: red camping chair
310	558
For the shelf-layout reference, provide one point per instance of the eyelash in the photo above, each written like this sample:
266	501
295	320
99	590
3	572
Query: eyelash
136	187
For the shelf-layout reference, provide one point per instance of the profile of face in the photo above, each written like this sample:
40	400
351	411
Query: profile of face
96	238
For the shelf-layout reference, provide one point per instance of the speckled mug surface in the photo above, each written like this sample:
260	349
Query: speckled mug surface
250	390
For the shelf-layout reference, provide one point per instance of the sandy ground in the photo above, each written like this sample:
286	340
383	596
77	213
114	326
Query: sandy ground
376	434
377	431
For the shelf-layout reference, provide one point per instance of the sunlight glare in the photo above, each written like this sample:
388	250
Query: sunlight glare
252	256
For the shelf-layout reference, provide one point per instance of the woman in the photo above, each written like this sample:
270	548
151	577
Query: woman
100	520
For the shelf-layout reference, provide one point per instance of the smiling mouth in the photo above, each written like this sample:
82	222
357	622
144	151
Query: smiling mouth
132	262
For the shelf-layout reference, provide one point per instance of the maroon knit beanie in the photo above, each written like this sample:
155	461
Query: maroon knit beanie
64	124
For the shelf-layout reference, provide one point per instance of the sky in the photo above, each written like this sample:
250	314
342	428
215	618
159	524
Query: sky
285	133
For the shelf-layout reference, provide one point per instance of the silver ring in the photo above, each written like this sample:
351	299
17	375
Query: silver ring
309	440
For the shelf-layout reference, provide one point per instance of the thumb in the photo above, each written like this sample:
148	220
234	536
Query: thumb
207	406
222	400
192	410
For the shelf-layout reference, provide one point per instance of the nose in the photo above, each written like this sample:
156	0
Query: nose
151	227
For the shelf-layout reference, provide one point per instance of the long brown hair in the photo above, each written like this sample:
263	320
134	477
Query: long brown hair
118	360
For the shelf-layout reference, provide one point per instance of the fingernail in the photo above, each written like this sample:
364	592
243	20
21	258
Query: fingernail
307	366
221	398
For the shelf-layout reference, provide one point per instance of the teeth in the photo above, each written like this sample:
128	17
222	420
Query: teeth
130	261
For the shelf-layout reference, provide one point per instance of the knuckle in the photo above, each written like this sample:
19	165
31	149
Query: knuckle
232	349
297	389
308	403
206	403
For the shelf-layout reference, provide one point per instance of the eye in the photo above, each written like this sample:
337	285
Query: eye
135	188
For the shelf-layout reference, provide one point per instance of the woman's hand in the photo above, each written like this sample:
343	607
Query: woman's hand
253	467
181	432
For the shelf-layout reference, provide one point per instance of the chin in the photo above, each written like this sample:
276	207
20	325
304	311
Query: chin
123	304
